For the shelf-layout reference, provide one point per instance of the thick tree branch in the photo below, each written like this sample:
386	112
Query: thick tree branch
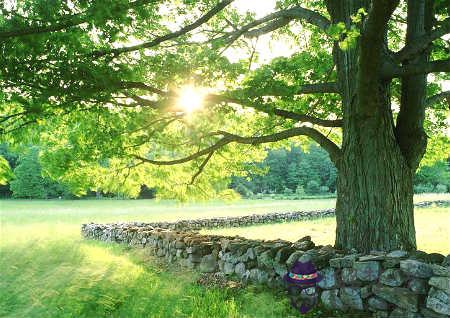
228	138
437	98
423	42
276	111
391	70
409	130
205	18
269	27
372	38
277	20
213	98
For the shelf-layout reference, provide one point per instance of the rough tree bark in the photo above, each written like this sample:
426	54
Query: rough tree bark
374	209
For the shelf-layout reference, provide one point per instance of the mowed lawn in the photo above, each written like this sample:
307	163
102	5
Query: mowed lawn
47	270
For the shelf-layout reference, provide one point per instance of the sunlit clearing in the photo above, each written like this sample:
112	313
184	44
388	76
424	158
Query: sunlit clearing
190	98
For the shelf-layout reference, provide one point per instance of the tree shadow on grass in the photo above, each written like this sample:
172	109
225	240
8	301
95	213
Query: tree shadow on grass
76	278
73	278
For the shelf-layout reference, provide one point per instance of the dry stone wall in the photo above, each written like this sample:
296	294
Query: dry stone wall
395	284
254	219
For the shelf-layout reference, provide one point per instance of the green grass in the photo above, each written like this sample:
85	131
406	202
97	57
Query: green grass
47	270
52	272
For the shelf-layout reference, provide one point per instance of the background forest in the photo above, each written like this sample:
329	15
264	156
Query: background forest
285	173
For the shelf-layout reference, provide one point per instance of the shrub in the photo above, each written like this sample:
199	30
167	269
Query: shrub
312	187
28	182
287	191
423	188
259	196
243	190
147	193
324	189
440	188
300	192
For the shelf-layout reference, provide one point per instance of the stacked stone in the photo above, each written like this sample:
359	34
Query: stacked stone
392	284
389	285
198	224
438	203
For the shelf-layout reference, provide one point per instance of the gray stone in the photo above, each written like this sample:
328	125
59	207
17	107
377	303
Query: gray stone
401	313
343	262
245	277
376	303
438	301
348	276
428	313
336	262
221	264
228	268
418	286
180	244
208	264
377	253
307	257
160	252
351	297
258	276
251	254
283	254
439	270
265	260
328	278
392	277
366	291
367	271
331	300
416	268
240	269
391	262
293	258
194	258
280	269
304	245
402	297
442	283
446	261
380	314
367	258
397	254
349	260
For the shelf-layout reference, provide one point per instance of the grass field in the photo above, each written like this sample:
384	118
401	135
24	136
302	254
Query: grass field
47	270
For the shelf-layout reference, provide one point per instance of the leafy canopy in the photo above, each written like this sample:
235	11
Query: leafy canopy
95	83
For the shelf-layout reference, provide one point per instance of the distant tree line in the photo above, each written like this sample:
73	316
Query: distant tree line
299	173
290	172
29	181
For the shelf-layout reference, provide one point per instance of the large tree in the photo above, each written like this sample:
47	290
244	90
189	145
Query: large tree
98	82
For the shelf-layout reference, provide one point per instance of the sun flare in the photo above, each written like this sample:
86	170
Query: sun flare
190	98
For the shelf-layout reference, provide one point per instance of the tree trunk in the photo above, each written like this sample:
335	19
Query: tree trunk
374	209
